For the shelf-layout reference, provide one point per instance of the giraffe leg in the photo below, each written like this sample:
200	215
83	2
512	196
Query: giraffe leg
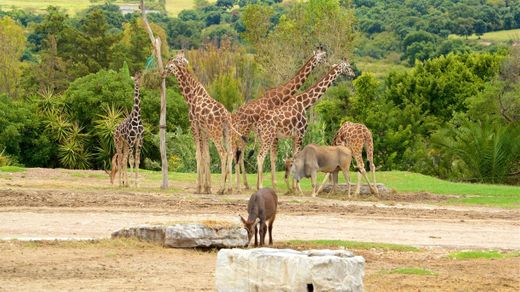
274	148
131	161
113	168
260	162
229	161
243	169
137	162
223	166
346	174
230	168
206	165
297	144
124	164
361	168
369	147
237	173
198	156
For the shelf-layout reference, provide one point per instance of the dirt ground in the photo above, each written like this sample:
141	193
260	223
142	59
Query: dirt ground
61	204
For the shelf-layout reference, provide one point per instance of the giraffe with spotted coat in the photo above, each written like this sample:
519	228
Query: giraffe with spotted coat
356	136
128	140
289	120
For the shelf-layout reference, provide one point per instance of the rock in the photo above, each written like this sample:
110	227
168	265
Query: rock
152	233
267	269
363	190
199	235
188	235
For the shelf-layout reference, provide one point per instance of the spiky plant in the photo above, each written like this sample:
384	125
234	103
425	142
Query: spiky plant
57	124
72	154
489	152
105	126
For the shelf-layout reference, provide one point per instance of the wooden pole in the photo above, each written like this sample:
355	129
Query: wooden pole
156	42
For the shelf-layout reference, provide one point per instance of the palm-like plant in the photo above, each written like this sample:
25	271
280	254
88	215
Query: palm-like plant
72	154
490	152
105	127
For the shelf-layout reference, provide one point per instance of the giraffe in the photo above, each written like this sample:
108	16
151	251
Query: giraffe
355	136
128	140
247	116
289	120
209	119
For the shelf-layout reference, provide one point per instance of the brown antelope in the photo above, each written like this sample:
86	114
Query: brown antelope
261	209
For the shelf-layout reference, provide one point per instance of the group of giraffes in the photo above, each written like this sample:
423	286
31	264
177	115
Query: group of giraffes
278	113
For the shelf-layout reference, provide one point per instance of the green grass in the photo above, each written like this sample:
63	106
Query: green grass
352	244
71	6
412	271
495	36
380	68
489	254
10	168
173	7
88	175
402	181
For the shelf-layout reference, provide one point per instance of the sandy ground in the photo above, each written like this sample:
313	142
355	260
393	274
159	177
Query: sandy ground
60	204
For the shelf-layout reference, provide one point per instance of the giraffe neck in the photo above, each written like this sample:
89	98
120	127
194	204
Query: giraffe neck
297	81
184	85
196	88
136	110
313	94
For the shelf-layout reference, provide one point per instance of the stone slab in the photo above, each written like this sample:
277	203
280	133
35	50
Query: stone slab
187	235
267	269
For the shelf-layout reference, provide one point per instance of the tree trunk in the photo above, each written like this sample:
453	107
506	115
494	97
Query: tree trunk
156	42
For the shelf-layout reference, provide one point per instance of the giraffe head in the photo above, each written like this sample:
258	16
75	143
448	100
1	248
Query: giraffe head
320	55
344	67
180	60
173	65
137	76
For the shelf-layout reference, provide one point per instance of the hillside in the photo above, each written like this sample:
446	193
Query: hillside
172	6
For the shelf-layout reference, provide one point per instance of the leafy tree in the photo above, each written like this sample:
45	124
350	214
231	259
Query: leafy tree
21	134
12	46
297	34
226	89
225	3
94	48
257	21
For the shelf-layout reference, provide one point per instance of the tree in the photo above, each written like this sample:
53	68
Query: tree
257	21
12	46
156	42
94	50
300	31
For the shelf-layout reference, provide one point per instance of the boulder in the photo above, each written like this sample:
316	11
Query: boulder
188	235
199	235
267	269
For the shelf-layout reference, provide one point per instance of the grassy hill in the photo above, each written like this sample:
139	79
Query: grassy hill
500	36
172	6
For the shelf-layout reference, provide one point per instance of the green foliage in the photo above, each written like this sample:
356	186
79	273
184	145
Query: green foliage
489	254
412	271
226	89
12	168
12	46
298	32
489	152
5	160
104	127
257	21
20	133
